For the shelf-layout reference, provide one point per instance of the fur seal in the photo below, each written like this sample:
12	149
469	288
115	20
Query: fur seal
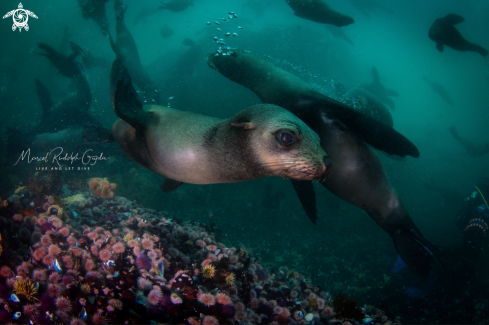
319	12
358	176
262	140
69	66
473	150
440	90
379	90
443	32
176	5
126	50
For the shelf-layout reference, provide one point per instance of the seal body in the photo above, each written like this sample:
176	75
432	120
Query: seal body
199	149
444	32
357	175
319	12
370	105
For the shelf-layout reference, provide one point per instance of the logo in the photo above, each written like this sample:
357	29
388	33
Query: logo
20	17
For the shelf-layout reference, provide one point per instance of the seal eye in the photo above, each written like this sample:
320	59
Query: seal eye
286	138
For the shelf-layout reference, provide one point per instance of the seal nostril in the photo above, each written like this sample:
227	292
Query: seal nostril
327	162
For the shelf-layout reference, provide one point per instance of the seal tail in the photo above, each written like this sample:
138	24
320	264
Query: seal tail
418	254
125	99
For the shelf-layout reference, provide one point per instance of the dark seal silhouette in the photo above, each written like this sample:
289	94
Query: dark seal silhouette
320	12
443	32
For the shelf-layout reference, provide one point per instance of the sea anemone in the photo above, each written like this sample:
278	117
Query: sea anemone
152	255
223	299
31	311
211	248
145	284
208	271
39	275
105	255
147	244
67	279
116	303
210	320
89	264
143	262
54	250
46	240
39	253
200	243
155	296
99	319
48	260
54	277
54	290
207	299
119	247
63	304
65	231
230	278
5	271
77	321
25	288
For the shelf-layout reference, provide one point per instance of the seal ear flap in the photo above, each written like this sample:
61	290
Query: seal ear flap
244	125
454	19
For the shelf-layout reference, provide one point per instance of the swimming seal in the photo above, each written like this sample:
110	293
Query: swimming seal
440	90
379	90
126	50
319	12
443	32
357	176
186	147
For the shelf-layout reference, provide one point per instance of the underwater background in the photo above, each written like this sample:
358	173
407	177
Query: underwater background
345	253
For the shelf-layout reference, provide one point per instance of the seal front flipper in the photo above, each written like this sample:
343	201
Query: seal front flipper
453	19
307	196
125	99
375	133
169	185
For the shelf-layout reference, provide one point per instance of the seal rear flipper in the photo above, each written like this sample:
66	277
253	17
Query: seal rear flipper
307	196
96	134
416	252
169	185
45	99
375	133
125	99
